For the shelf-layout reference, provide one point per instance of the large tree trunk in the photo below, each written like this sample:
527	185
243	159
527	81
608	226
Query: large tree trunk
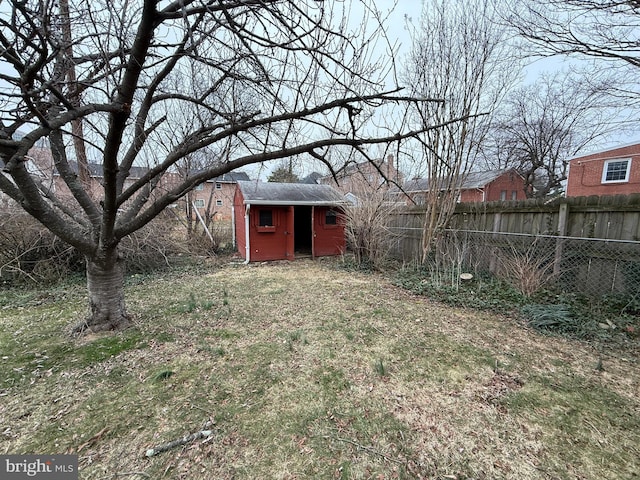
105	284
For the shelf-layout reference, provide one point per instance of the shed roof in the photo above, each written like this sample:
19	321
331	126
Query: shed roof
271	193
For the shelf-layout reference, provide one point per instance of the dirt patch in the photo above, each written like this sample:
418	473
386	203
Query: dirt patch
499	386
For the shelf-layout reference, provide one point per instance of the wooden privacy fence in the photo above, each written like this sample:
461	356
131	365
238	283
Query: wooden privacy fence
585	244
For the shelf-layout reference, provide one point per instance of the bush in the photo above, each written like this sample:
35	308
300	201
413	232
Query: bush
150	248
199	242
31	254
527	269
367	231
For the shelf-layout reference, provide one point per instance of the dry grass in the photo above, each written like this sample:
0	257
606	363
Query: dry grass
306	371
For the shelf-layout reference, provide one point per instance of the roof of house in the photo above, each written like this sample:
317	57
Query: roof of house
312	178
271	193
95	170
471	181
231	177
602	151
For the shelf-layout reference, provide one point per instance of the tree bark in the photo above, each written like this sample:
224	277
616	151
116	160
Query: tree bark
105	284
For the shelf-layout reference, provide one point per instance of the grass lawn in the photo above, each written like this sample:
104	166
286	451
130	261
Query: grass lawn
303	370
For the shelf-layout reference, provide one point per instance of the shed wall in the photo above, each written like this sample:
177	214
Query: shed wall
277	241
328	239
271	243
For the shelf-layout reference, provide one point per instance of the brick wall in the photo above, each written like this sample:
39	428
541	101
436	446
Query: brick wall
510	183
586	172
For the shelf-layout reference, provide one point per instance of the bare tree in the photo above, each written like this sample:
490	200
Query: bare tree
459	54
601	30
189	166
312	76
542	125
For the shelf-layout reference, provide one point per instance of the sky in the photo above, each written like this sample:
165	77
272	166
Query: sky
399	12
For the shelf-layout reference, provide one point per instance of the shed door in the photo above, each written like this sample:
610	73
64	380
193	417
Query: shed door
290	234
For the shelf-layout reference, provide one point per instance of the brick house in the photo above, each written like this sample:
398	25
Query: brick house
486	186
216	195
365	176
41	165
614	171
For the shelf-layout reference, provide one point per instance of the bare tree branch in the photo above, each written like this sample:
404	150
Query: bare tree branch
154	83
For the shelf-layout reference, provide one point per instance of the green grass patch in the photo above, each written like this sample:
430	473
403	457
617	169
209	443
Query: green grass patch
579	418
611	319
351	380
103	348
193	304
27	355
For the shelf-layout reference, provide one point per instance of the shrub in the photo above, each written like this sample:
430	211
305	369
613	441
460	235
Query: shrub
150	248
528	269
31	254
367	229
198	241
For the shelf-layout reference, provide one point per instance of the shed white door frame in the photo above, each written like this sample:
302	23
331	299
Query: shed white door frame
247	246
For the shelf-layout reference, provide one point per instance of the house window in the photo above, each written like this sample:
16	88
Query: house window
218	203
503	195
266	218
199	203
218	186
616	171
199	187
331	218
514	194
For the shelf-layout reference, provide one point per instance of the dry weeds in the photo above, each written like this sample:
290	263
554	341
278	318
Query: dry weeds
281	358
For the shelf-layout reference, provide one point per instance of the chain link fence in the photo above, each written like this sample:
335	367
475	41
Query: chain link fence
590	266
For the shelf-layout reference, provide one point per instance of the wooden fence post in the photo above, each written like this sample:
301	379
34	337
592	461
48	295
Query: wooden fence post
563	214
493	267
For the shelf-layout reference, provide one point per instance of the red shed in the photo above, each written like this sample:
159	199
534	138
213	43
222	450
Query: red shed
277	221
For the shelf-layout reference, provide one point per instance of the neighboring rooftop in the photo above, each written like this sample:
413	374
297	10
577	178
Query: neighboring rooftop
231	177
470	181
313	178
605	149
